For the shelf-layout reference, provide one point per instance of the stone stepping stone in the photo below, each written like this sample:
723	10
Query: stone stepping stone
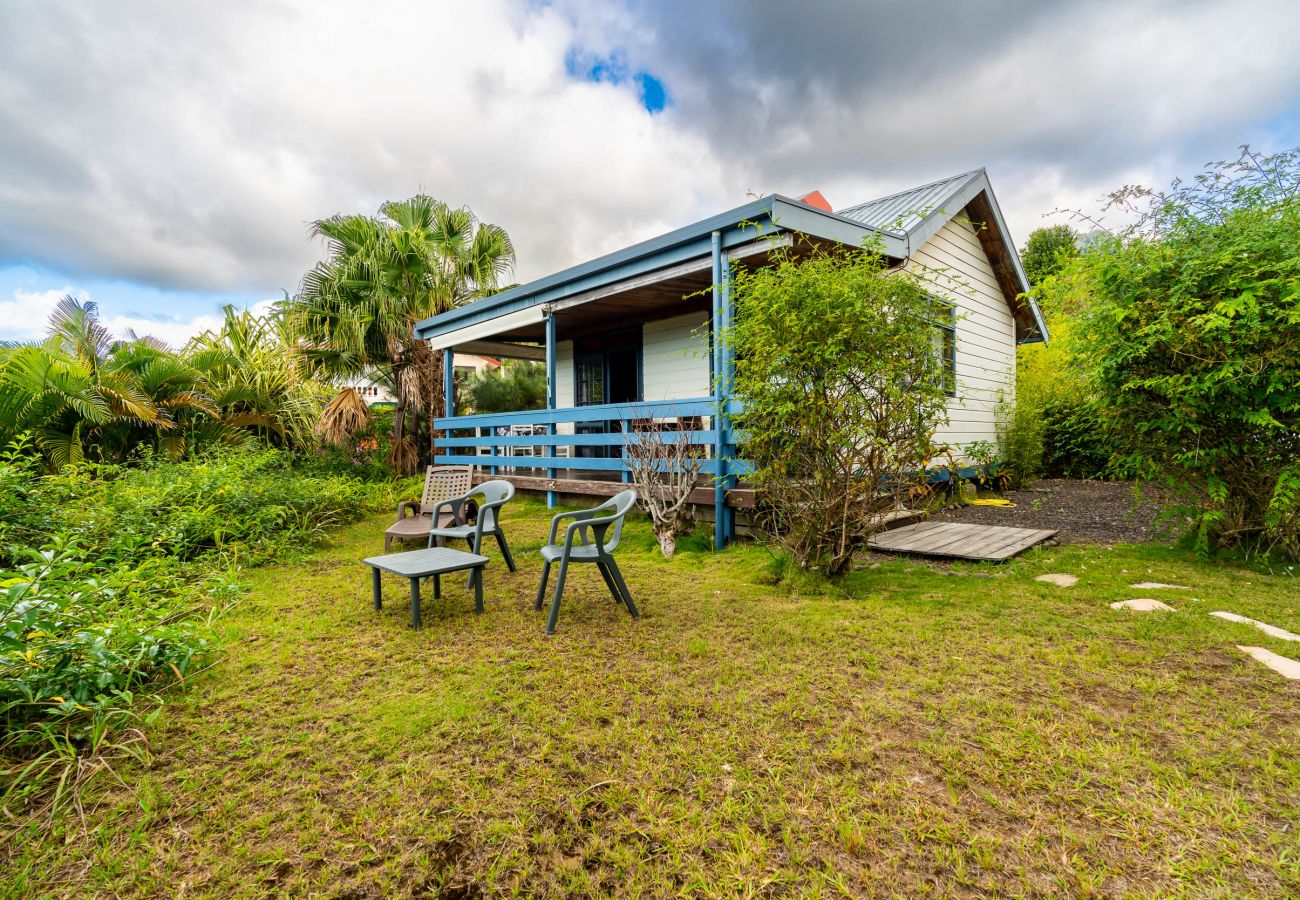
1270	630
1287	668
1156	586
1060	579
1142	604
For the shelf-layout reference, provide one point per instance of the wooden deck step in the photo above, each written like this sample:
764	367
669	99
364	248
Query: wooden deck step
959	540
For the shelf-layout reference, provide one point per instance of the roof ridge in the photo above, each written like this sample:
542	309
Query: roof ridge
912	190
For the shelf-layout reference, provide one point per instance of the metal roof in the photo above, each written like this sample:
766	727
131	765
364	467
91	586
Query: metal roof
902	212
901	221
744	224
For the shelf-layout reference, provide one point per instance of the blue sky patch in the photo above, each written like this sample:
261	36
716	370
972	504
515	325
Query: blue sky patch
654	97
613	69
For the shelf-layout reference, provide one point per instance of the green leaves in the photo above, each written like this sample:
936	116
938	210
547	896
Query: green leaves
357	309
1191	344
841	390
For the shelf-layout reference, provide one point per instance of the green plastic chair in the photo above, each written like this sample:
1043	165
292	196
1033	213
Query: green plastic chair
493	495
591	538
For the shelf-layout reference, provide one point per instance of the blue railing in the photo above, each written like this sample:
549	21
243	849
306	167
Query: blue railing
504	443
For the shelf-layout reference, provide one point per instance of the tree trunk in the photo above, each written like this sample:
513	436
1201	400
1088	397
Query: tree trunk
667	536
402	457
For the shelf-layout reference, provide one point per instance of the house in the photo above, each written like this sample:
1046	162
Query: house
626	337
377	394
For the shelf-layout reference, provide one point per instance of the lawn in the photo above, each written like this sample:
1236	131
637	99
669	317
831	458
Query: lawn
917	731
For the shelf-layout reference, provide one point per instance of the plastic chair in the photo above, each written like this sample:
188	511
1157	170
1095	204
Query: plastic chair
494	495
592	538
415	517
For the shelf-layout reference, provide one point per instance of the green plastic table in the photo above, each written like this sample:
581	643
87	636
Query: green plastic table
417	564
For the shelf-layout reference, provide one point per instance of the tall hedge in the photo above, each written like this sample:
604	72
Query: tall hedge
1191	343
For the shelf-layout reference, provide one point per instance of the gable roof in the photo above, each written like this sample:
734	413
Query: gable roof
901	212
901	222
916	214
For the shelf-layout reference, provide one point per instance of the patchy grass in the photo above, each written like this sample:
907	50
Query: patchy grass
918	731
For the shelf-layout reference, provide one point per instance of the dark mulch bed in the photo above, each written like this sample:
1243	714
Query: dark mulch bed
1084	512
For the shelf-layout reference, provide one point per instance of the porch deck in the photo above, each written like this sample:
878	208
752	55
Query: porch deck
956	540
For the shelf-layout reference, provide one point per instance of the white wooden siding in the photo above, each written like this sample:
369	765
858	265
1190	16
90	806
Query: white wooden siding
675	358
564	382
674	361
955	265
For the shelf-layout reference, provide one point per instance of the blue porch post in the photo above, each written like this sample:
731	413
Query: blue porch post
449	381
728	386
721	515
552	450
448	387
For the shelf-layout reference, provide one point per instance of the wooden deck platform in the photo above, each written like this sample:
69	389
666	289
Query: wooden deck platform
960	541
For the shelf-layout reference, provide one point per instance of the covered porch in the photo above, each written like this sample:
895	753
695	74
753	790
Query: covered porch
636	356
628	341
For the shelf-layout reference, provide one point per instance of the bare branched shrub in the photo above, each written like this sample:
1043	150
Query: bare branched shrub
665	467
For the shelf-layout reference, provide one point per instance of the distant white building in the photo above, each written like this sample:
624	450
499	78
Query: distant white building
377	393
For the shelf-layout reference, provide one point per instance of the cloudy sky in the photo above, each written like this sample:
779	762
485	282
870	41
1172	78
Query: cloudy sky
165	158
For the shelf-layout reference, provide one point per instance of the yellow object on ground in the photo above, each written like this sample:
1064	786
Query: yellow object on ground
994	501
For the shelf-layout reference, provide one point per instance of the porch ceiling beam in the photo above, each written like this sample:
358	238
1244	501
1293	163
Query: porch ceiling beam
690	267
489	329
503	349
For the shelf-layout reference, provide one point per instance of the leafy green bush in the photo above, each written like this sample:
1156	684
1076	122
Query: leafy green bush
78	637
1190	338
1020	438
1075	442
842	393
250	505
511	387
109	576
365	457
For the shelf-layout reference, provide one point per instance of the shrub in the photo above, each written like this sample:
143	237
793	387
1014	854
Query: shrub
841	392
1075	442
665	468
249	505
1191	342
511	387
365	456
109	576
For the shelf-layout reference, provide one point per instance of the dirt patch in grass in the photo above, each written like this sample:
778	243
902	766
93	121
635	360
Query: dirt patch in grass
905	733
1084	512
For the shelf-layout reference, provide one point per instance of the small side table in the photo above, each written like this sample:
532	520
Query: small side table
417	564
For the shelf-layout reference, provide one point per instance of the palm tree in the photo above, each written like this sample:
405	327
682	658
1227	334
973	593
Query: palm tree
356	311
255	382
81	388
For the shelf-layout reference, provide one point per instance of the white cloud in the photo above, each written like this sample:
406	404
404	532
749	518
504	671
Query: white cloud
26	318
190	144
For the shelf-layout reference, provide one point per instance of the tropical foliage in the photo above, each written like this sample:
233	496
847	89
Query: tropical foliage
842	393
109	575
86	395
356	311
509	387
1185	334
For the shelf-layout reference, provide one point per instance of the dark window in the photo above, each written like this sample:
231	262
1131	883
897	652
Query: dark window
607	369
943	341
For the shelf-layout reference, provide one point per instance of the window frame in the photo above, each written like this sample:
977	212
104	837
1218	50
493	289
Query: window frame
944	322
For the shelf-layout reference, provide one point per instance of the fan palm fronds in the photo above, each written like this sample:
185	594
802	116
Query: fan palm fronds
346	414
